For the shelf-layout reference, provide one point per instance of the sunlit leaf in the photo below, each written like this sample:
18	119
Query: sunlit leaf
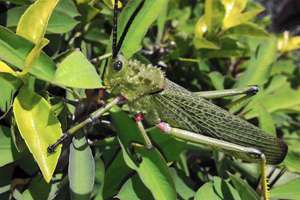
287	43
76	67
34	21
39	128
234	14
4	68
14	50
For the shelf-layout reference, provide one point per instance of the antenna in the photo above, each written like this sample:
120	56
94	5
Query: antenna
116	46
115	30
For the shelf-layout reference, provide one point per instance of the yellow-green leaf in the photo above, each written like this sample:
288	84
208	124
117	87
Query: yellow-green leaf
287	43
4	68
34	21
201	27
110	3
33	55
234	14
39	128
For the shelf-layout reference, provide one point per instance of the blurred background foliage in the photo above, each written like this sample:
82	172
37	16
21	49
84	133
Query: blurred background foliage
201	45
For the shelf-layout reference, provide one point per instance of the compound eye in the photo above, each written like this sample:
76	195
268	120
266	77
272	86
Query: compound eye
118	65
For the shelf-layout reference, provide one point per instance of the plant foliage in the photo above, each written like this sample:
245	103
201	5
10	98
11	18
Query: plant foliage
52	57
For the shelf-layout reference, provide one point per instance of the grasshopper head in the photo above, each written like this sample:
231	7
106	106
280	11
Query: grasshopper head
132	79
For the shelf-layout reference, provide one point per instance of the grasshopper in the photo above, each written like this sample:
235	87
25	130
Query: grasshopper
180	113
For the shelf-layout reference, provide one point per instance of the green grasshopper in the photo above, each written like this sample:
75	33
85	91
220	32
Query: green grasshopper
181	113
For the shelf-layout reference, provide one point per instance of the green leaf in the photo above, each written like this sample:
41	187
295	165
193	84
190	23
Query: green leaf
7	150
218	189
184	191
278	96
289	190
217	80
38	189
201	43
39	128
152	169
140	25
116	173
81	169
259	67
247	29
265	119
206	191
245	191
68	7
292	161
14	50
99	176
9	85
76	67
61	21
134	189
34	21
155	174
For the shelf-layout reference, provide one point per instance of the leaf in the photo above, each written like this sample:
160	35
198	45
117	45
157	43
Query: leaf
184	191
34	21
134	189
217	80
81	161
259	67
140	25
9	86
234	14
246	29
286	43
39	128
152	169
265	119
61	21
218	189
14	50
201	27
99	176
155	174
38	189
116	173
4	68
245	191
292	161
201	43
76	67
7	149
206	191
278	96
289	190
